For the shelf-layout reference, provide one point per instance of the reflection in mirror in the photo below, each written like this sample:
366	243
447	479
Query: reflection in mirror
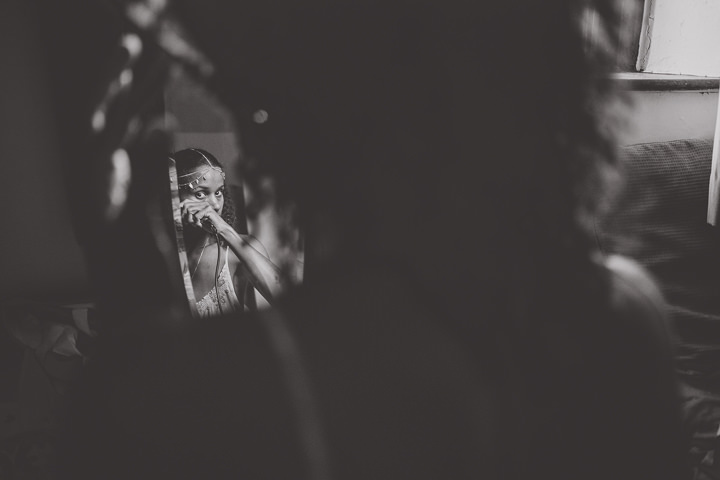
201	125
225	270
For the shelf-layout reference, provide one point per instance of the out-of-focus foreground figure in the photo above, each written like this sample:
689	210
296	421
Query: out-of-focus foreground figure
455	321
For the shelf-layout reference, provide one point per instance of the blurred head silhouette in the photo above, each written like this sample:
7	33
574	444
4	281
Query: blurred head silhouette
467	143
461	143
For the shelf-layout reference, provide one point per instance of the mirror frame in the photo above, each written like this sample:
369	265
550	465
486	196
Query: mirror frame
179	237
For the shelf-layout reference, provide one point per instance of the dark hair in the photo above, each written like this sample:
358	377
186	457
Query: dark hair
548	151
483	127
191	159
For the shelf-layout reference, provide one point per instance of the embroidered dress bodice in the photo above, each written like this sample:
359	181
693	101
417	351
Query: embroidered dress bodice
224	299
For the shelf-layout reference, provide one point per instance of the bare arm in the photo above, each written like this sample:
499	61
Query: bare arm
264	275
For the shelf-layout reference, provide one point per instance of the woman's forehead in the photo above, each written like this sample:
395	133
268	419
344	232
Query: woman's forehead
210	178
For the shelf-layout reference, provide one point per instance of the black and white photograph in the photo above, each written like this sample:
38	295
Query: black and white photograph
360	240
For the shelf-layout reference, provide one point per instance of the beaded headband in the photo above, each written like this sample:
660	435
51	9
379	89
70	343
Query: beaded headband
200	175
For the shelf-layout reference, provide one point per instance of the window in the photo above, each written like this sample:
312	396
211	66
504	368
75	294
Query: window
680	37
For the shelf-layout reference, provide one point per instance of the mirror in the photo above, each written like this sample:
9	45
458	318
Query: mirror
224	268
179	238
206	144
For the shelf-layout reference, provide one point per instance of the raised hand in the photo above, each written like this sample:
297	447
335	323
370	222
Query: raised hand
201	214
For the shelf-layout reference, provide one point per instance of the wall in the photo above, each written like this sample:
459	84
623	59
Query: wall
680	36
668	115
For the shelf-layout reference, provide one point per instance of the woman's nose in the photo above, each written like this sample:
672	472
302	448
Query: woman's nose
214	203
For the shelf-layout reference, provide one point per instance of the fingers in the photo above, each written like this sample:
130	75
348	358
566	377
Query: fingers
194	212
189	208
187	213
208	218
188	217
191	201
193	218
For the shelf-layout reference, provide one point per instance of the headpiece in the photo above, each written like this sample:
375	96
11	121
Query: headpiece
198	175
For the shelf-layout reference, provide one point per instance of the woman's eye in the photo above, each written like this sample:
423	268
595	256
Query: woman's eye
219	193
199	195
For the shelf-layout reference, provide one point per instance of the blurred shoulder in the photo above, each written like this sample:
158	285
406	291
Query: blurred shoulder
635	296
630	278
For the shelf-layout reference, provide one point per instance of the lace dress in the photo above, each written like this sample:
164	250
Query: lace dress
223	300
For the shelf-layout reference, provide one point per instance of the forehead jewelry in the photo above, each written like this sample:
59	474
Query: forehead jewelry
200	175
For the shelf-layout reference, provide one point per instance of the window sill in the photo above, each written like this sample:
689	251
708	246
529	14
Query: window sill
660	82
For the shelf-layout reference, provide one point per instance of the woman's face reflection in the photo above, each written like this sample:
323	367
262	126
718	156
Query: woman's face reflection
210	189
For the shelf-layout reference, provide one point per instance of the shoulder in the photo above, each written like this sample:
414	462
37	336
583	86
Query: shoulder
636	299
630	282
640	389
629	277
